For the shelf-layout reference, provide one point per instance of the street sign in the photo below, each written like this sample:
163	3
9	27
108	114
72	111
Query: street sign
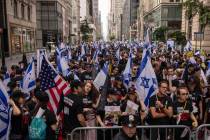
198	36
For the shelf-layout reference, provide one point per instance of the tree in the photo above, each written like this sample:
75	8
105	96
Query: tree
179	37
160	34
112	37
85	30
204	16
191	9
194	7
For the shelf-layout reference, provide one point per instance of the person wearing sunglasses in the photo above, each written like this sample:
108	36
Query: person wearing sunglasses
183	113
160	110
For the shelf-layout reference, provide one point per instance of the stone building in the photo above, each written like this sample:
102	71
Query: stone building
194	28
54	21
21	26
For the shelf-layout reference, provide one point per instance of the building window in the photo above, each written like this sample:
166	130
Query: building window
29	13
171	0
23	11
15	8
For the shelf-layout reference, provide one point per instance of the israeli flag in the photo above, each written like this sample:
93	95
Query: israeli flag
127	71
146	83
29	79
69	56
188	46
83	50
118	53
208	70
5	113
62	64
40	54
6	78
101	77
95	56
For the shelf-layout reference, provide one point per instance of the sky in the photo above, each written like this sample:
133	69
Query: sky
104	7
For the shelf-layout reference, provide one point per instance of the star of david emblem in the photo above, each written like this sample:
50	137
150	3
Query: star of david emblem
145	82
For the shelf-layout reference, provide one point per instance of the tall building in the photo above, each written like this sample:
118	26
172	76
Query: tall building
116	12
19	26
86	13
96	18
76	21
129	19
157	13
54	21
192	30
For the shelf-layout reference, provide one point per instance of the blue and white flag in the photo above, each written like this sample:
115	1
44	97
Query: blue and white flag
95	56
69	56
208	70
118	54
146	83
5	113
188	47
6	78
83	50
62	64
40	54
29	79
101	77
127	71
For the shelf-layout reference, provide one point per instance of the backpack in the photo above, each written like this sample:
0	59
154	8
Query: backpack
37	129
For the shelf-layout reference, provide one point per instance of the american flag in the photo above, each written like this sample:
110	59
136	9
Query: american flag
53	84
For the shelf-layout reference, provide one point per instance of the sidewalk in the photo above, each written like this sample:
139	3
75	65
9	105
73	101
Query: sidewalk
14	59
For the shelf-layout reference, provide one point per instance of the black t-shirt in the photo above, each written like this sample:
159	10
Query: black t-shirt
195	98
88	103
185	109
20	123
167	102
50	119
208	110
109	119
16	123
72	105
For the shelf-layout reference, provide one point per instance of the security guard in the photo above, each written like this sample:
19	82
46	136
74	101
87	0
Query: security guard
128	132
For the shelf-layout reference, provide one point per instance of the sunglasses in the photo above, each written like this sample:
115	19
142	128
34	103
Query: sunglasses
183	94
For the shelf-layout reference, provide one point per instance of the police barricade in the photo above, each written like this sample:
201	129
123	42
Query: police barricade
203	132
155	132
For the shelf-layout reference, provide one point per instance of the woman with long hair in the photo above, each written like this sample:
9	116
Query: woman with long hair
90	103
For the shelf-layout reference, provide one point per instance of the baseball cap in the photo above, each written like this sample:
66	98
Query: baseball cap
113	91
128	120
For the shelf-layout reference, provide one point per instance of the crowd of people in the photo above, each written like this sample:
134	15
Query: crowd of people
182	96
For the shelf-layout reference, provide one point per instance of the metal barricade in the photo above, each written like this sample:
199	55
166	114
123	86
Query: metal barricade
155	132
202	132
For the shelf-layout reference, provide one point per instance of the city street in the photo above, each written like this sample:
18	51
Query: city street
105	70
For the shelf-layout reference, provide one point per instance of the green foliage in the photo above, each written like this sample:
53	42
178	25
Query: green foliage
112	37
179	37
193	7
85	30
160	34
204	16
